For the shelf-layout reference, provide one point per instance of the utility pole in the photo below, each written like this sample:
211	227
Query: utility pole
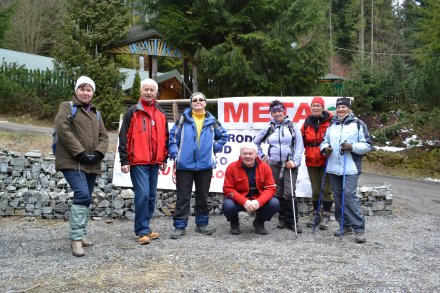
372	30
330	34
362	31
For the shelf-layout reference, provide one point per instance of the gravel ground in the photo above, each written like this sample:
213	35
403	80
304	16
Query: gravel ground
401	255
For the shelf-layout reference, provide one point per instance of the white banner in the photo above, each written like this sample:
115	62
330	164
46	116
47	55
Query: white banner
243	118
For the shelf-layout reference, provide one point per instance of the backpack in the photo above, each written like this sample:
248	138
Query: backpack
73	109
272	129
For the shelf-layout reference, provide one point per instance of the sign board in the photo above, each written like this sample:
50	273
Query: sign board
243	118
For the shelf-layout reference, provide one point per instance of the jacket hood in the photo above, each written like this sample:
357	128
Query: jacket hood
275	122
187	114
350	117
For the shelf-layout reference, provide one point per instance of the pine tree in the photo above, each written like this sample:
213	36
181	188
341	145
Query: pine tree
249	47
90	27
135	90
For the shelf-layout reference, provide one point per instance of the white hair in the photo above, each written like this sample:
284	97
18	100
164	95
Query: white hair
248	145
149	81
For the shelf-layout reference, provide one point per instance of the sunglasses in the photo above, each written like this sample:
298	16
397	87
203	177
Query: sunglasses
197	100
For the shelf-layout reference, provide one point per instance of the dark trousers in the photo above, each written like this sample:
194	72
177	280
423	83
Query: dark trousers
184	183
230	209
286	187
315	176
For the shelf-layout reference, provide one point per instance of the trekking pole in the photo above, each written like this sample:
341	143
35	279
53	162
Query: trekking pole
343	195
320	194
293	201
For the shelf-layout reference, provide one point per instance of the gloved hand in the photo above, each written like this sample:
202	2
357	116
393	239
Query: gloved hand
172	155
327	151
83	158
345	146
96	157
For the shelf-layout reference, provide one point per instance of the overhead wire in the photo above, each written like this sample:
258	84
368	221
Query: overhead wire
387	54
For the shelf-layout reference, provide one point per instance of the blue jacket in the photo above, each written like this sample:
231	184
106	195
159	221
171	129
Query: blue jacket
351	130
280	141
184	148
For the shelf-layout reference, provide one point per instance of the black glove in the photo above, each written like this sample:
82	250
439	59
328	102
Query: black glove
345	146
327	151
84	158
96	157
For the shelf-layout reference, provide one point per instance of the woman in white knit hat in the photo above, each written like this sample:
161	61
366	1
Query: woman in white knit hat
82	144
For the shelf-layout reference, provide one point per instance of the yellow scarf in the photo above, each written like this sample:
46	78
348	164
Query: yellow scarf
198	119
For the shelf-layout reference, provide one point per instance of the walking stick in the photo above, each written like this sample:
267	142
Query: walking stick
320	194
343	196
293	202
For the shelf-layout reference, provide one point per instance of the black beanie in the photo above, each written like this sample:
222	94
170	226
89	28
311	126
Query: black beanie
343	101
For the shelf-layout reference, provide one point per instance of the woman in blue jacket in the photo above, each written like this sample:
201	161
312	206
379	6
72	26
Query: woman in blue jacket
194	140
345	141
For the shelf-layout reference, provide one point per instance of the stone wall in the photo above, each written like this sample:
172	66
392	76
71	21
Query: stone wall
30	186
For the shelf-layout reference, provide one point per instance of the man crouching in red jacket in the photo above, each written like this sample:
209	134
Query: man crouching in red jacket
249	186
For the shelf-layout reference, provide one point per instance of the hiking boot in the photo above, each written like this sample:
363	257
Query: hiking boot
291	226
347	230
143	239
281	224
77	248
325	223
235	230
153	235
360	237
86	242
314	218
205	229
177	233
259	227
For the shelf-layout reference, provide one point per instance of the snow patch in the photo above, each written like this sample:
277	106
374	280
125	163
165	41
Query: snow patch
389	148
431	179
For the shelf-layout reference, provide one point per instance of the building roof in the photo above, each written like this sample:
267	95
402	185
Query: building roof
332	77
34	62
30	61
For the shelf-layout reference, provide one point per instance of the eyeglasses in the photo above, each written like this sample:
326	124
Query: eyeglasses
197	100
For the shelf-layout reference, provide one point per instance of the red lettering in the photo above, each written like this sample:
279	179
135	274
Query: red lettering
302	112
241	114
260	112
166	171
287	106
220	174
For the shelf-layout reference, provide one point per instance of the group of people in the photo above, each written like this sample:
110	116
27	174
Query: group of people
258	182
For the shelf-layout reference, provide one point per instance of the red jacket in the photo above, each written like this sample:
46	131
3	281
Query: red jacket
139	143
313	131
236	184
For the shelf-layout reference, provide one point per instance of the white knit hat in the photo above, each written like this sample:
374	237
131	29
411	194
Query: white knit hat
84	79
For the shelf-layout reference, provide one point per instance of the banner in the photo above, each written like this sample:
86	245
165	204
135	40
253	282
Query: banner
243	118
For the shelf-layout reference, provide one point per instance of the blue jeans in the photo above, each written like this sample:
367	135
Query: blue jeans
144	179
352	210
230	209
81	184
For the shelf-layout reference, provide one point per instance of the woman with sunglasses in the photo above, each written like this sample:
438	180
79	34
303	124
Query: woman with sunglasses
194	139
345	142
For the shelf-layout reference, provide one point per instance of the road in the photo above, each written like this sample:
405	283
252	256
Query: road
18	127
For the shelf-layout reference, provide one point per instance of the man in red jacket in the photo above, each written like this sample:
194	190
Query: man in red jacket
143	151
249	186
